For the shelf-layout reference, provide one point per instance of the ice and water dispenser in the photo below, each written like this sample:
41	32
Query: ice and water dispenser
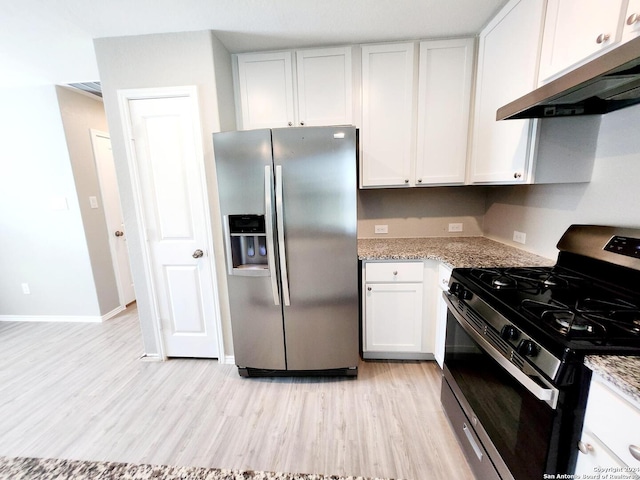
247	245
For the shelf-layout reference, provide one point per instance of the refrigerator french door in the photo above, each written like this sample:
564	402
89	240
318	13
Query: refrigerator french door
288	203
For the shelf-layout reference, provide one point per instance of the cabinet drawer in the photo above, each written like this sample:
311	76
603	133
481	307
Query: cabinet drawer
394	272
614	421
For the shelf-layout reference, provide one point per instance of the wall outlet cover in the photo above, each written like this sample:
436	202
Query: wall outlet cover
381	229
455	227
519	237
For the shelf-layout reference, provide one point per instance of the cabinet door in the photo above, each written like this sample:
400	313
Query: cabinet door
393	317
596	456
507	67
387	114
265	84
631	27
444	273
575	30
324	87
444	97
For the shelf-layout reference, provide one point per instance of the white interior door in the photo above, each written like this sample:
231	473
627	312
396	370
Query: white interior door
113	213
170	170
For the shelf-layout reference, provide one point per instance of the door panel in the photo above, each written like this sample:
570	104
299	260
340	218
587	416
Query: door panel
113	213
319	195
258	336
170	170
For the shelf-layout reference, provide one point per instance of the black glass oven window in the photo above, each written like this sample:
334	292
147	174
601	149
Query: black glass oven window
518	424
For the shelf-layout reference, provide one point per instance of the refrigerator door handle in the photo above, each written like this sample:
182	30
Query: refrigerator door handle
280	227
268	210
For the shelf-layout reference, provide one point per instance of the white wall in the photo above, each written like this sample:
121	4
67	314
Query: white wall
165	60
544	212
42	241
80	114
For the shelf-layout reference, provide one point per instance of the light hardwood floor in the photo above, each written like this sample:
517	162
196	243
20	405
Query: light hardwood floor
80	391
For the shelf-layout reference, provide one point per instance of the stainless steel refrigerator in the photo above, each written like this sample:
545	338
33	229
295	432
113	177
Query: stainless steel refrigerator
288	203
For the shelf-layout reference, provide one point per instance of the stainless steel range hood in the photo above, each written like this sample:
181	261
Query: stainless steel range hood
608	83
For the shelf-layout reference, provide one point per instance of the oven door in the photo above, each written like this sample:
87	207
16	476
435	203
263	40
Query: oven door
513	421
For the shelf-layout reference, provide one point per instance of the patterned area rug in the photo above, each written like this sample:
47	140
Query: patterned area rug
20	468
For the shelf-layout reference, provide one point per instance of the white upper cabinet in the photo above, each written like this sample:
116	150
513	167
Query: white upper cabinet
503	151
415	113
578	30
444	99
265	88
631	27
325	87
273	93
387	114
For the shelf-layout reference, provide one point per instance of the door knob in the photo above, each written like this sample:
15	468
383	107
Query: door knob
198	253
119	233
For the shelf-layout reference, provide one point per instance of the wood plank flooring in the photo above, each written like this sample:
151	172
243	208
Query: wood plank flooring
80	391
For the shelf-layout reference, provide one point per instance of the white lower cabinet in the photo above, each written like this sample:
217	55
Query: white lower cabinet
398	316
611	433
444	273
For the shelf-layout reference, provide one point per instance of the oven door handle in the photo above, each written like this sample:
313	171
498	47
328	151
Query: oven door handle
547	395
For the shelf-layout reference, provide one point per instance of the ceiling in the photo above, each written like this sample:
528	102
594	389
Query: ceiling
45	41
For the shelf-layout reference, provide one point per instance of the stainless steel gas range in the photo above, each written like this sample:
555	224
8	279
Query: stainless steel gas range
514	384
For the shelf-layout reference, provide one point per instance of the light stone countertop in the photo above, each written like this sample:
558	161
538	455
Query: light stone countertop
622	372
457	252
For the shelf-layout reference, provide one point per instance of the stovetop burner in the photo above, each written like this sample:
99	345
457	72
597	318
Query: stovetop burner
562	303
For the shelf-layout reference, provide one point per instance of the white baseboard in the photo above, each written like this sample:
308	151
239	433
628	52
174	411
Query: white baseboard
52	318
154	357
113	312
227	360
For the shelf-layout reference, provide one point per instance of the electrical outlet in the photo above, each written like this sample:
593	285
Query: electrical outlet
519	237
93	202
381	229
25	289
455	227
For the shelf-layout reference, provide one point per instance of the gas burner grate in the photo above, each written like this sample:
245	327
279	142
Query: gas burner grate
562	319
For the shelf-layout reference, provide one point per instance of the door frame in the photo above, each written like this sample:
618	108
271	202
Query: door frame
116	268
190	92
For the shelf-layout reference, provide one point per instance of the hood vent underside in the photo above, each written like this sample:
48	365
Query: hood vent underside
608	83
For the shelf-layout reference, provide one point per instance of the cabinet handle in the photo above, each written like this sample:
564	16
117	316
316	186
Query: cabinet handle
517	175
369	289
603	37
585	447
634	450
633	18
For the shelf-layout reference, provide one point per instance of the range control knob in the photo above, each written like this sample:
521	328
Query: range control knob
456	289
509	332
466	295
528	348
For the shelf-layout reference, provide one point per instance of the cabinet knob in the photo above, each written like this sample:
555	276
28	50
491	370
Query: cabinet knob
301	123
603	37
444	281
290	124
395	272
634	450
517	175
419	180
633	18
585	447
406	180
369	289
